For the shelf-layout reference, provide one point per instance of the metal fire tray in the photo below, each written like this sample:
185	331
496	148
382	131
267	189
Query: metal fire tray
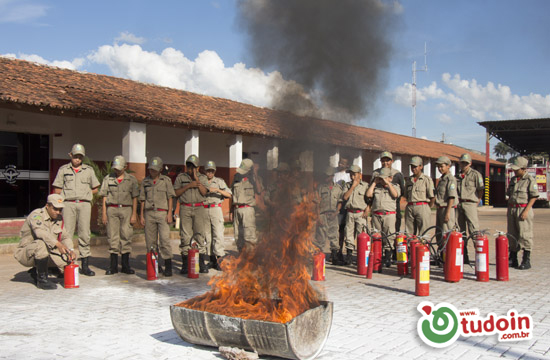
301	338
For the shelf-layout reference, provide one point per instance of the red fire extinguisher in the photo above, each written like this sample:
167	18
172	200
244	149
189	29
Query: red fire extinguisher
422	277
152	265
501	245
71	279
363	249
402	256
377	252
482	257
370	261
193	263
319	266
413	242
453	257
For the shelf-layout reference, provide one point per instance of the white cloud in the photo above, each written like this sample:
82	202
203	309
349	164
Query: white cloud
127	37
20	11
445	119
75	64
207	74
468	97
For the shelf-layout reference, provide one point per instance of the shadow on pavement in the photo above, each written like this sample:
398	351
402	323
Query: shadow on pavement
384	287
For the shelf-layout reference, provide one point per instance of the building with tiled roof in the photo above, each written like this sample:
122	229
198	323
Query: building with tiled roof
44	110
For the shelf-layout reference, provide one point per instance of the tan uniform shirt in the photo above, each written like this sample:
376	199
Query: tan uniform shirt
215	198
521	190
156	194
421	190
119	193
446	189
382	199
39	225
76	185
243	190
191	196
469	184
358	198
331	196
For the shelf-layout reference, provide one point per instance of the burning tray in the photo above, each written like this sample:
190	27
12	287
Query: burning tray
301	338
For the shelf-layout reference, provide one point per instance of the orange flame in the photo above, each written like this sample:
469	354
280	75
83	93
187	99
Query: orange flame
269	282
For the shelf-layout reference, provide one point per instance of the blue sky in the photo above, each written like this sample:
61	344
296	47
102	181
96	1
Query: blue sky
487	60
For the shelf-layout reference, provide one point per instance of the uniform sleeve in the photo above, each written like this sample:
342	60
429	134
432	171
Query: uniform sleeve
430	189
58	181
479	182
104	187
178	182
223	186
170	193
36	223
510	189
533	189
451	190
204	181
142	192
398	191
95	182
135	188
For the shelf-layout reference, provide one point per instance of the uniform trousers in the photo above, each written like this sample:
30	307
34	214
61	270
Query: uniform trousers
157	233
386	224
417	218
214	231
244	223
30	249
521	230
355	224
78	215
193	220
119	229
327	229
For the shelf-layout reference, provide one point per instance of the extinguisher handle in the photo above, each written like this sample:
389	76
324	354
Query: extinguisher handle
65	257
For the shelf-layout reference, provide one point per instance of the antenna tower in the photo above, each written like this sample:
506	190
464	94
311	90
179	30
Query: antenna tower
414	70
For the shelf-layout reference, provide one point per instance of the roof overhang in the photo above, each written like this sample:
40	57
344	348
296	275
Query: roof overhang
525	136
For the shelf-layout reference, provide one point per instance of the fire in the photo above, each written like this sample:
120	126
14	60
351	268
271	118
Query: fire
271	281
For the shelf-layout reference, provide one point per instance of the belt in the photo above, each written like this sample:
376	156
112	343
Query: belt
418	203
193	205
241	206
329	212
444	207
354	211
212	205
158	209
384	212
118	206
464	200
78	201
518	205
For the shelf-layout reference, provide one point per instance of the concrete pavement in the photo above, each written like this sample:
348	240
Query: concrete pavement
127	317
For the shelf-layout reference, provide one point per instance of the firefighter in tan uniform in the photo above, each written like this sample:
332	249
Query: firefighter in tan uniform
77	183
355	196
246	184
155	196
522	194
120	192
383	208
43	240
470	190
386	158
445	197
217	193
330	202
191	188
419	192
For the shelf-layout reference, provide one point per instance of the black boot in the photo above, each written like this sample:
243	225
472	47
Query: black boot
526	261
183	264
113	268
32	273
218	262
513	259
203	267
334	257
168	267
84	269
42	281
126	264
348	260
387	258
465	258
341	258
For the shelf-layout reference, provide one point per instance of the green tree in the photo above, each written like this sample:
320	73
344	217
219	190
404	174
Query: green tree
502	150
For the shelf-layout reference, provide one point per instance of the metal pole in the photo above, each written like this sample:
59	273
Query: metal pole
487	173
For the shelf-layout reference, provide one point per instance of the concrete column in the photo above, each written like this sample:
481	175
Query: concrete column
192	144
134	148
377	164
235	156
272	155
453	169
397	163
306	160
428	168
334	158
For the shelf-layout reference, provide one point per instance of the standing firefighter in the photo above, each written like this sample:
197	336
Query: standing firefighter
120	191
470	191
77	183
386	158
383	193
246	184
522	194
217	193
330	202
357	209
43	240
155	196
191	187
419	192
445	197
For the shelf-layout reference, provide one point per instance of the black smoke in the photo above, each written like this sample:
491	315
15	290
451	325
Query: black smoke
336	51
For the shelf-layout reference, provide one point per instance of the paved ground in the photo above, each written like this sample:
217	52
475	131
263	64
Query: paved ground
127	317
